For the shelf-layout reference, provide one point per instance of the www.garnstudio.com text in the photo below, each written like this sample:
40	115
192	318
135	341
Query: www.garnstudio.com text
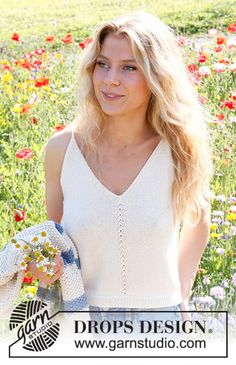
146	343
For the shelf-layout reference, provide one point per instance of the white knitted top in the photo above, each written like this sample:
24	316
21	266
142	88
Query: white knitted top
128	243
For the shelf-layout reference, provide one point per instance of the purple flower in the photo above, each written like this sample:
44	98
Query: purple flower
232	199
217	220
206	301
220	250
220	198
218	213
234	279
218	292
206	280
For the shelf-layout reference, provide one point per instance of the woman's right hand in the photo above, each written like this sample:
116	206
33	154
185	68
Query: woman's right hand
58	269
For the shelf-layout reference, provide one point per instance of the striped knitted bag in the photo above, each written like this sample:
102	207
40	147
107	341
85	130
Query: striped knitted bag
71	293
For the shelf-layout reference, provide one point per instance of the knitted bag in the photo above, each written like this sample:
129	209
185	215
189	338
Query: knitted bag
71	292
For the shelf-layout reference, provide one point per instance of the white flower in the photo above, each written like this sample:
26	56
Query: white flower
204	71
218	67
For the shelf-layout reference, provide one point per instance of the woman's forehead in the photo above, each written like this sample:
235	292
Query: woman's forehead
117	46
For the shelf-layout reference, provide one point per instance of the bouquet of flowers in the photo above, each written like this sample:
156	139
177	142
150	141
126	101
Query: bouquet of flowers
38	249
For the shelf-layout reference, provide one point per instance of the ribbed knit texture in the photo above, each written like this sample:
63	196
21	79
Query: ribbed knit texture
128	244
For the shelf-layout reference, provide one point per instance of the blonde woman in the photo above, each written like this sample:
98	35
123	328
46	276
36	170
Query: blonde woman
129	179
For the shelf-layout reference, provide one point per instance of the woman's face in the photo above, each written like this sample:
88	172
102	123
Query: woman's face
113	75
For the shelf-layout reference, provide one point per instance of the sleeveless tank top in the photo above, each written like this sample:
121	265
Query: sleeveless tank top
128	243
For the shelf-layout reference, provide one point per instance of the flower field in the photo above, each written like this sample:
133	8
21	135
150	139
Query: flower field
38	98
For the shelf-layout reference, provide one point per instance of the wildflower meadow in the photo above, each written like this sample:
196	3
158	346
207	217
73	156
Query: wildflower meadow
38	98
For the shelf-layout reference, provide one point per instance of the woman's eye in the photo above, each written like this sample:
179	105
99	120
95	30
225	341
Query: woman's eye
101	63
132	68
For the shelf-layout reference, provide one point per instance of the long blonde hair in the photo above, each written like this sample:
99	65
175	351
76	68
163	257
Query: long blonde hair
174	110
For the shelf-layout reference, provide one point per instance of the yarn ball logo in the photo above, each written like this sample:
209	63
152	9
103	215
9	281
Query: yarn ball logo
33	325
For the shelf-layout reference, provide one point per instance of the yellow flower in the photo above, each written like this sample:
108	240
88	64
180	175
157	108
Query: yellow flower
31	289
215	235
47	88
58	55
37	253
17	245
23	264
44	56
41	258
41	268
25	247
231	216
9	90
213	226
17	108
49	275
13	240
27	258
44	234
7	77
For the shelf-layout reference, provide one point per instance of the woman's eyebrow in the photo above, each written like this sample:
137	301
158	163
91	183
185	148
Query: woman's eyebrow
130	60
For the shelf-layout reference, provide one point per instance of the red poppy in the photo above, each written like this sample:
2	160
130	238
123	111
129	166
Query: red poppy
192	67
26	279
227	149
34	120
202	57
218	49
67	39
26	64
37	64
221	40
220	116
225	61
25	108
27	55
7	68
25	153
232	28
85	42
19	215
15	37
49	38
39	51
233	95
59	127
42	81
228	104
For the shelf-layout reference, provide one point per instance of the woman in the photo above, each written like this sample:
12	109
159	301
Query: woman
133	169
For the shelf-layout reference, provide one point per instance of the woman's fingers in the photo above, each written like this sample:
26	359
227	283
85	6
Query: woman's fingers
58	269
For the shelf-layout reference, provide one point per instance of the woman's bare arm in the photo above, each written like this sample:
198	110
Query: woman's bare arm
53	159
193	242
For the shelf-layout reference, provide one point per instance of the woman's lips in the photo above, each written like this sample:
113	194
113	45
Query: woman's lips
111	97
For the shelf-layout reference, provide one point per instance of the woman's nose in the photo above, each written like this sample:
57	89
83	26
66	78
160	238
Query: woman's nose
111	78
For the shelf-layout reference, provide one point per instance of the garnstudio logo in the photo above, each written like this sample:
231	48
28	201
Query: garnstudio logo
34	326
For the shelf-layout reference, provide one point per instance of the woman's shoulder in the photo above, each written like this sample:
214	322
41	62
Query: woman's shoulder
59	141
56	146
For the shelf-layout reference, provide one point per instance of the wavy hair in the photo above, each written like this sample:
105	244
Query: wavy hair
174	110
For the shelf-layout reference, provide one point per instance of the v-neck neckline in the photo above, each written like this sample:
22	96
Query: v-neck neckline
134	181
